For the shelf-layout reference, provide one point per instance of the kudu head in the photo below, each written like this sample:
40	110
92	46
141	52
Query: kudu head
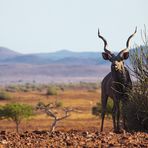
117	66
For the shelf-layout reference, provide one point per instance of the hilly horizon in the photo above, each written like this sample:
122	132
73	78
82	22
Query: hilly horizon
7	53
56	67
58	57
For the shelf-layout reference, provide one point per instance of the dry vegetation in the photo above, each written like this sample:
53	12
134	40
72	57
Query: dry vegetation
82	99
79	130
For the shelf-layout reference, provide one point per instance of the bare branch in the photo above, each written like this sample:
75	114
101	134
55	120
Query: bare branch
49	110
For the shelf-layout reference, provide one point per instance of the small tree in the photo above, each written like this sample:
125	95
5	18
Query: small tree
16	112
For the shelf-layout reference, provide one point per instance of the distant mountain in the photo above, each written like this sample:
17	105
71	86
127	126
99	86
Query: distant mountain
60	66
7	53
65	54
25	59
59	57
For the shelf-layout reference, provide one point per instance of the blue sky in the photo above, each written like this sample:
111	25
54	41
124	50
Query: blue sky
29	26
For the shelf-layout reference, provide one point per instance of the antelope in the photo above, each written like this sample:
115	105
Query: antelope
116	83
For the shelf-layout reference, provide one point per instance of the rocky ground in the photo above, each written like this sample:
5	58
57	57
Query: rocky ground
72	138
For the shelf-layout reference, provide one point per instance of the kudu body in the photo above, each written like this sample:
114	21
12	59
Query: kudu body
116	84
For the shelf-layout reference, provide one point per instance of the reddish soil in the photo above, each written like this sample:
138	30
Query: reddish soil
72	138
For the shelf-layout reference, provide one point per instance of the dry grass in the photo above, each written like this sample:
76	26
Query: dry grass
83	100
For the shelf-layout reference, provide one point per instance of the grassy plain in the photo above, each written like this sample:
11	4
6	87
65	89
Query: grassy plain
80	98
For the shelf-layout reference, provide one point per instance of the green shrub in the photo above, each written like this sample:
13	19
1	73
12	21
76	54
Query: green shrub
16	112
12	88
51	90
88	85
27	87
58	103
97	109
4	95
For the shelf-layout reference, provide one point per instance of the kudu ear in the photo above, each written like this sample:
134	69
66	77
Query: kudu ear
124	55
106	56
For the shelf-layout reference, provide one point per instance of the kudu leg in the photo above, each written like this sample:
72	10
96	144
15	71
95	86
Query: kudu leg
114	116
118	117
104	102
123	117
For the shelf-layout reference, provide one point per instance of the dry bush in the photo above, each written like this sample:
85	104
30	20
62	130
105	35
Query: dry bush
136	109
4	95
51	90
55	111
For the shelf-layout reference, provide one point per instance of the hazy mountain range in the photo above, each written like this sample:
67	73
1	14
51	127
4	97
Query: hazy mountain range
59	57
61	66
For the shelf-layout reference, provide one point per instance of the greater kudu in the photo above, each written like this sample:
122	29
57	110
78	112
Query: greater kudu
115	84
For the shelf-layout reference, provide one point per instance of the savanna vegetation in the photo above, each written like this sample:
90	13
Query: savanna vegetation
67	122
136	110
78	96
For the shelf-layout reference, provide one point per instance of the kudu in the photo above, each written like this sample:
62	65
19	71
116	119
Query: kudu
115	84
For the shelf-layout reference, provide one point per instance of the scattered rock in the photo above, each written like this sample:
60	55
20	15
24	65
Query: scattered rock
73	138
